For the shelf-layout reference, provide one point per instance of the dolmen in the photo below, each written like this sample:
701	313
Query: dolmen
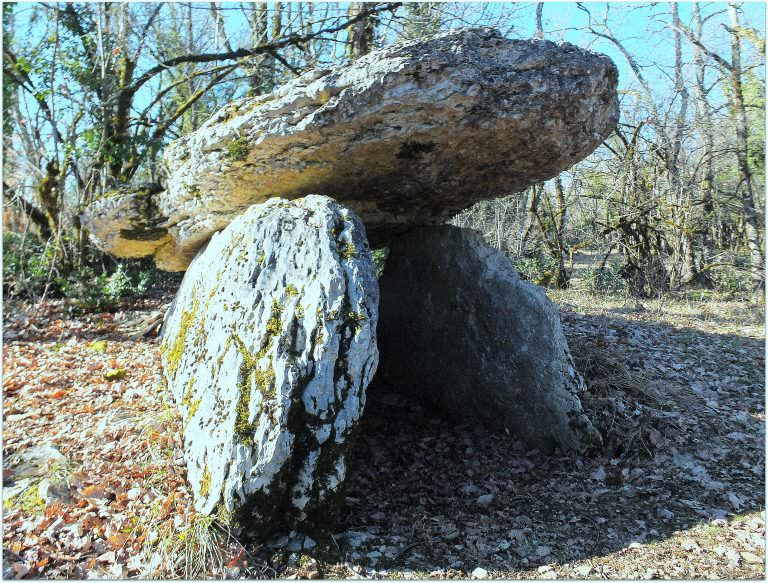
271	208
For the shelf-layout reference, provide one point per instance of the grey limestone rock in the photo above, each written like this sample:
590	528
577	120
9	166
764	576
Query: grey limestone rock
125	221
268	350
409	134
461	331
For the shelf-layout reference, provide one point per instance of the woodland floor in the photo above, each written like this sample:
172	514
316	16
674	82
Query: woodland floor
677	389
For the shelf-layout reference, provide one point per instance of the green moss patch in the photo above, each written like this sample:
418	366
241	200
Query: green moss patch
205	482
237	150
173	351
251	373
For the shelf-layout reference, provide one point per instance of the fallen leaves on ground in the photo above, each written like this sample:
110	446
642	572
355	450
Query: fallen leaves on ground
677	492
117	432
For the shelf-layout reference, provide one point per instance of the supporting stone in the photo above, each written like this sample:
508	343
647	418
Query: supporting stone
461	332
268	350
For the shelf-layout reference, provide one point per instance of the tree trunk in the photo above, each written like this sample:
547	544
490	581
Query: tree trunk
689	271
704	119
539	25
739	113
361	33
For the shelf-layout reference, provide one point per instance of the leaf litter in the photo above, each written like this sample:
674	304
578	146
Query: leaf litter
677	492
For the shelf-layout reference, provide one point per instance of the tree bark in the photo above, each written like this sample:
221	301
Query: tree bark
751	226
704	119
361	33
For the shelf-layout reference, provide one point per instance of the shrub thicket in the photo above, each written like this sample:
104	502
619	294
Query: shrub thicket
89	279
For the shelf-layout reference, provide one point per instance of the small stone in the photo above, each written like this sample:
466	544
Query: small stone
278	542
378	516
689	545
543	551
233	572
544	569
52	489
485	500
479	573
355	538
584	570
309	543
33	461
451	535
733	556
391	552
598	474
664	513
469	489
720	550
517	534
752	559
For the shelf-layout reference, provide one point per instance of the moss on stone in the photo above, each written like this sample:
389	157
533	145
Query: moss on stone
174	350
237	150
274	324
205	482
250	373
347	251
193	409
233	111
354	319
337	229
188	393
194	191
265	380
243	428
28	501
120	192
189	404
144	233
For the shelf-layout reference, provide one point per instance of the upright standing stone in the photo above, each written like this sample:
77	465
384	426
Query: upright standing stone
460	331
268	350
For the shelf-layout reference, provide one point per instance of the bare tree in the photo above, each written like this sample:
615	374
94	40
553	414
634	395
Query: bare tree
733	72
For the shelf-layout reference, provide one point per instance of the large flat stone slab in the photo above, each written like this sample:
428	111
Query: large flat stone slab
409	134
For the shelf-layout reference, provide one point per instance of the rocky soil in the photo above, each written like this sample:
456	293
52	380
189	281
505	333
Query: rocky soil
677	389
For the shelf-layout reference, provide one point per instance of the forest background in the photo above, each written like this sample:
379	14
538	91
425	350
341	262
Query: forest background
673	200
